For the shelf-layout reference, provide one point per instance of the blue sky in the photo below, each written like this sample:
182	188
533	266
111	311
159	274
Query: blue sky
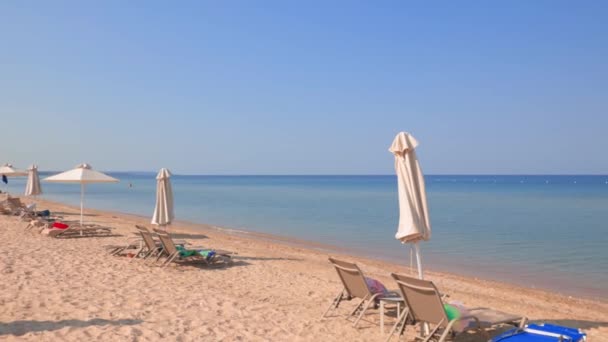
315	87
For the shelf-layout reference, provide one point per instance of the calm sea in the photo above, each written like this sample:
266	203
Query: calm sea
541	231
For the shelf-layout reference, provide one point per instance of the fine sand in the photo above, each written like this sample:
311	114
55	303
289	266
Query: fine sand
72	290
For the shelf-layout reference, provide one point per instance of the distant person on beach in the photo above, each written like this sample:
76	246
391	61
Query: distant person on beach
130	185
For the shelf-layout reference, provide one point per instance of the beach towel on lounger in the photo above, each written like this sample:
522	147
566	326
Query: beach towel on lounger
375	286
183	252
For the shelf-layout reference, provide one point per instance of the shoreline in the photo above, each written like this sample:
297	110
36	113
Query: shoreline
533	250
185	227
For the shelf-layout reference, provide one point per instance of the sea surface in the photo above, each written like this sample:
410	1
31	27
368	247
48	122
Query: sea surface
537	231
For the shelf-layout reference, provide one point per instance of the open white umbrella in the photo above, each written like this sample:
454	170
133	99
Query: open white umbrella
82	174
9	171
414	223
32	188
163	211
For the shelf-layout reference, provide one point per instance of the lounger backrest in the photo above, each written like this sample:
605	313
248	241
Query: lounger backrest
12	204
422	298
166	241
15	202
352	278
147	236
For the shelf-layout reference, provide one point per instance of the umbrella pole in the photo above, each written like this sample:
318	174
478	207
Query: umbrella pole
418	261
81	204
425	326
411	259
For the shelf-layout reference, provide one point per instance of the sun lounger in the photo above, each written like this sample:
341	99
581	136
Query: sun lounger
12	206
149	247
424	306
40	222
74	230
355	286
180	253
133	242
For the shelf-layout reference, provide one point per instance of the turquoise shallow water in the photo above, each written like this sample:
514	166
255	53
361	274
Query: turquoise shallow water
544	231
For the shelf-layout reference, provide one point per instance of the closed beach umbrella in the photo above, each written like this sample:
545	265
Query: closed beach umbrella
83	174
32	188
163	211
414	223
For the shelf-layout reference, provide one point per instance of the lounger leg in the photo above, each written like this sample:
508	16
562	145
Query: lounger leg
117	250
334	304
357	308
170	258
160	255
155	255
523	322
136	254
403	327
371	300
401	322
147	254
382	317
447	331
151	254
164	261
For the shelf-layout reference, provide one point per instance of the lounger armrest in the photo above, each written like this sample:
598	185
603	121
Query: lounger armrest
467	317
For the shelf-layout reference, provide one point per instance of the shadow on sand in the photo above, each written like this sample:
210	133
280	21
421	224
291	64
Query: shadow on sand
188	236
76	236
574	323
63	213
238	257
184	265
19	328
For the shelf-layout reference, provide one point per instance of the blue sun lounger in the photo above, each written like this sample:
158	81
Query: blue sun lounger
542	333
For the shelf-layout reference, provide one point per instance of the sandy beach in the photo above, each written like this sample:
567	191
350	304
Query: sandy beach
71	290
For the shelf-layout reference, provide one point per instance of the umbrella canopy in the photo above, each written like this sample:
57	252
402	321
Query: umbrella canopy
9	171
163	212
82	174
32	188
414	223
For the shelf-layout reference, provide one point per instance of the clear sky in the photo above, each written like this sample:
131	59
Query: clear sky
305	87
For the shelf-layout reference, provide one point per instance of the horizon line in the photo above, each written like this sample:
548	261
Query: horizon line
351	174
